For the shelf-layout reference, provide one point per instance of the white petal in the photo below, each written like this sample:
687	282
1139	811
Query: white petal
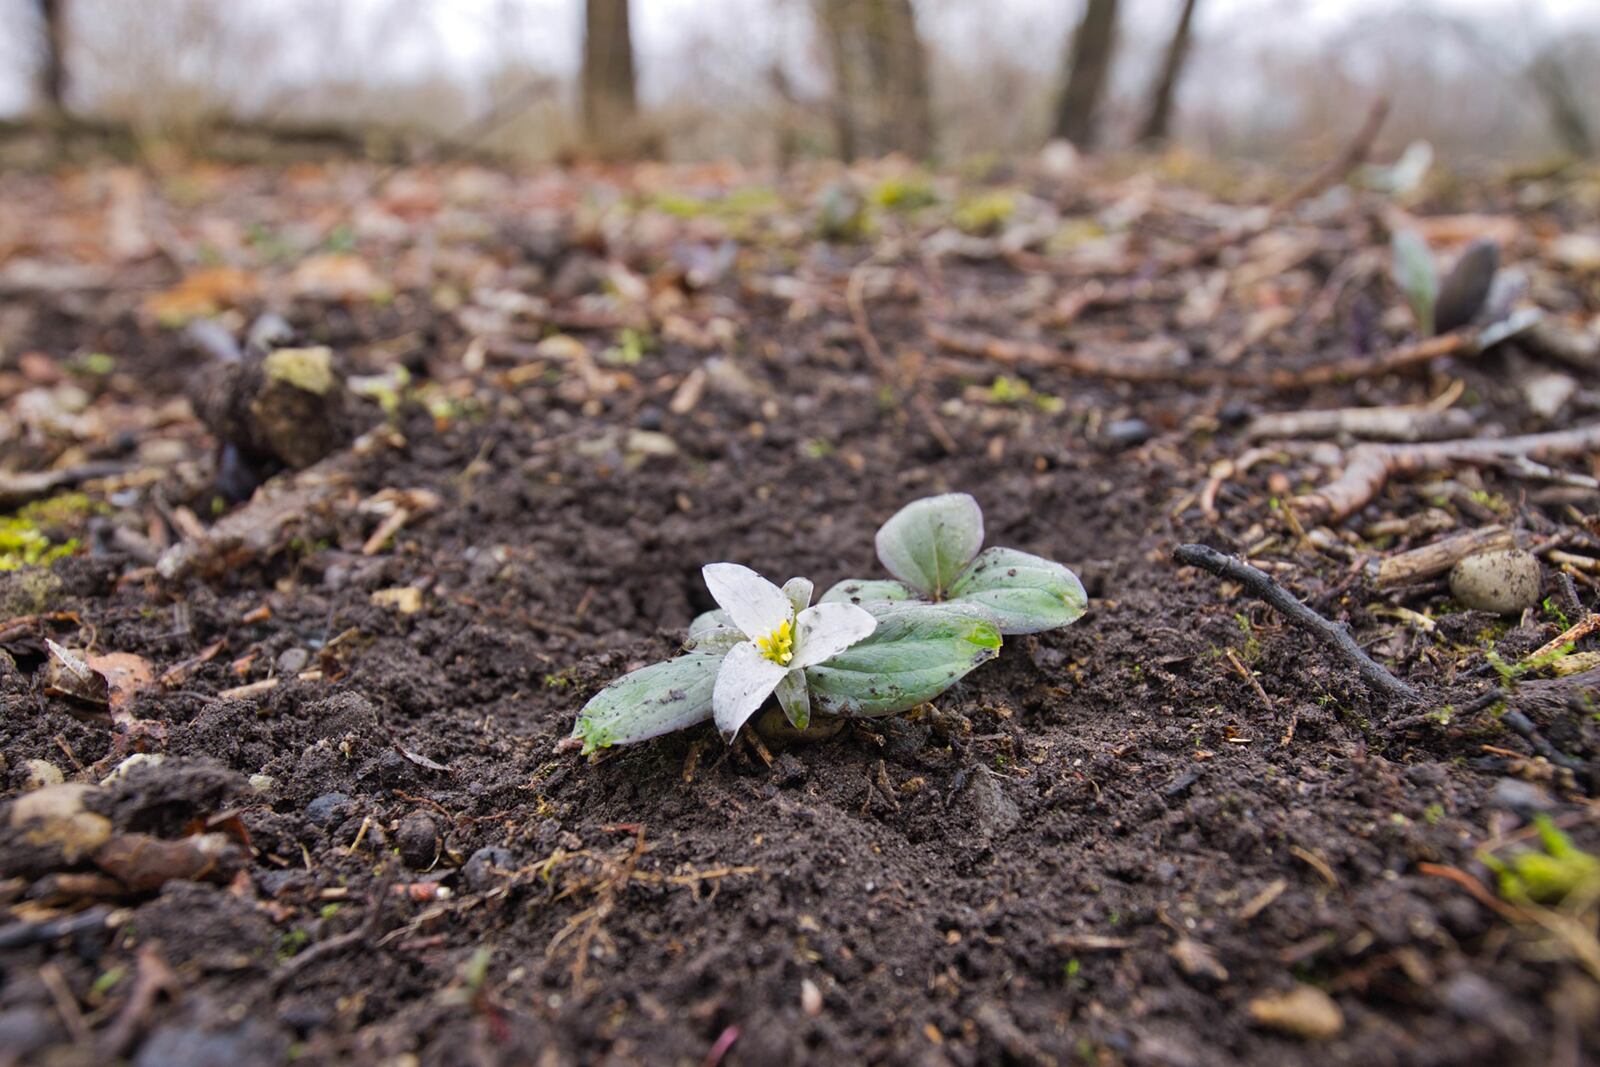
745	679
756	605
798	590
826	630
796	699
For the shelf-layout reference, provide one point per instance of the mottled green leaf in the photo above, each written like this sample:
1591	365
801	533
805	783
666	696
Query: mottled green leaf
916	653
867	591
654	700
929	542
1024	593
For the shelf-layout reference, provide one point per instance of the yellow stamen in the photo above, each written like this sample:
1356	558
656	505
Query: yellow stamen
778	646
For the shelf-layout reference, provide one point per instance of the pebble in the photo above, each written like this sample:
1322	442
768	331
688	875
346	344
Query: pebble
479	872
293	660
1197	960
41	772
263	783
249	1045
1125	433
1305	1011
1524	798
418	838
1505	582
328	810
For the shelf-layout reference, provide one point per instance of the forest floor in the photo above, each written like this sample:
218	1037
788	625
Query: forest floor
323	812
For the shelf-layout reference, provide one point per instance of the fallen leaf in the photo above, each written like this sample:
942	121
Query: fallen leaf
68	674
124	673
1305	1011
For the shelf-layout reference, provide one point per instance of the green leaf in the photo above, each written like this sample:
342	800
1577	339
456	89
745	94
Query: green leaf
866	591
1025	594
929	542
1416	276
917	652
713	631
654	700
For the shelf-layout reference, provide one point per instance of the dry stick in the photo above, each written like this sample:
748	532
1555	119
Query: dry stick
1281	600
1282	379
1368	467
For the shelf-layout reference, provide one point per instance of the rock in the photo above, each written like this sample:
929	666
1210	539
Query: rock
27	1029
1465	288
144	863
41	773
329	810
418	838
985	812
1305	1011
55	820
1505	582
1126	433
405	599
251	1044
293	661
263	783
138	759
480	872
1547	392
1197	960
788	770
1524	798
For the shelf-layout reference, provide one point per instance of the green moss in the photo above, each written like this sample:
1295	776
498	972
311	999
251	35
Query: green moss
984	213
905	194
1560	871
307	369
23	544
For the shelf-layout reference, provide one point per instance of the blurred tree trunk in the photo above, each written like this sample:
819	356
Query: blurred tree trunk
1159	119
1549	77
1088	65
53	73
880	77
610	103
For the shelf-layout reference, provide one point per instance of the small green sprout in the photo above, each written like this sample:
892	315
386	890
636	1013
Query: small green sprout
868	647
1560	874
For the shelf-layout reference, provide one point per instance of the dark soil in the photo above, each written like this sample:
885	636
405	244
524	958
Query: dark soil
1098	849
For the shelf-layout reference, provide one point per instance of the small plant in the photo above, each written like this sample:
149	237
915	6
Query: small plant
868	648
1561	873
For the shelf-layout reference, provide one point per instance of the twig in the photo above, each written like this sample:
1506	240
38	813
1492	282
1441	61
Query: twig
1524	728
340	942
1419	563
1281	600
1112	367
1368	467
1570	636
152	979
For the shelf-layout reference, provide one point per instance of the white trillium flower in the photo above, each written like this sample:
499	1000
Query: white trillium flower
784	637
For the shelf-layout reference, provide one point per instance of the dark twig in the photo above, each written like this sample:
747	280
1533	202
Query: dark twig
1329	633
333	945
1525	728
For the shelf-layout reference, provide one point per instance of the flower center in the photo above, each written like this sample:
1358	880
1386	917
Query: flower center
778	646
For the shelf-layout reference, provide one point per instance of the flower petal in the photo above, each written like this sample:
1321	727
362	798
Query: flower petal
755	605
796	699
826	630
744	681
798	590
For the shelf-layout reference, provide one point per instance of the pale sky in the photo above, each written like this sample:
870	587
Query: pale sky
464	38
